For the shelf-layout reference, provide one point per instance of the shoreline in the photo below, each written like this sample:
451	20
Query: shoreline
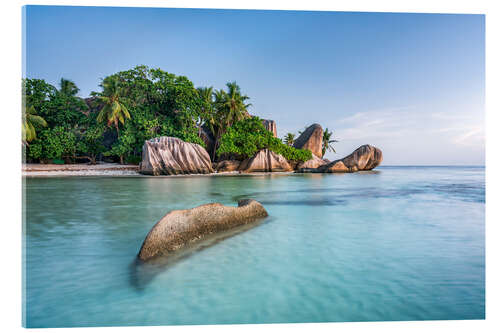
116	170
101	169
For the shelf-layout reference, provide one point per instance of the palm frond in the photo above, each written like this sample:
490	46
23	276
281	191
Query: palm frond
36	120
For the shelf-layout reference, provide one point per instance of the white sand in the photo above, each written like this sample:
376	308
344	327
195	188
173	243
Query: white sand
113	169
102	169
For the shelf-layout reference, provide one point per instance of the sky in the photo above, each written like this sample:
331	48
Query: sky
409	84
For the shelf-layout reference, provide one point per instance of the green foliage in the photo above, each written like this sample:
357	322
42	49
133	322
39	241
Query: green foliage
132	106
289	139
54	143
90	142
220	109
327	141
58	109
133	160
248	136
68	87
290	153
125	144
29	124
112	100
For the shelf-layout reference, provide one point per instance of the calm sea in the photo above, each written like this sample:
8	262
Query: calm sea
400	243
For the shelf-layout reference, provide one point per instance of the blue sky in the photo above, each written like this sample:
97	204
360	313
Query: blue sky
410	84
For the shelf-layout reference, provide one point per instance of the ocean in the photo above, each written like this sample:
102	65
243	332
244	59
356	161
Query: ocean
396	243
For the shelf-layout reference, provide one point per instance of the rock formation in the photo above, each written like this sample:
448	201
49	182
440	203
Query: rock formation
180	228
270	125
364	158
208	138
313	163
312	139
172	156
265	161
228	165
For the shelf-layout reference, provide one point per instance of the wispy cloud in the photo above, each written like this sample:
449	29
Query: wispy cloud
411	123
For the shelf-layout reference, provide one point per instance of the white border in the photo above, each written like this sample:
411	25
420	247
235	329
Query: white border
11	177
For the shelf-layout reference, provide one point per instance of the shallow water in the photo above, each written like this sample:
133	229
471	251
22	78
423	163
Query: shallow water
401	243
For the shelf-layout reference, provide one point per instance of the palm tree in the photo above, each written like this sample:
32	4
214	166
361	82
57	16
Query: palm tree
289	139
113	110
30	120
68	87
206	95
227	107
234	103
217	119
326	142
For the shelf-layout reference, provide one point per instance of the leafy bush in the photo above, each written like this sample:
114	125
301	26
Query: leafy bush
90	143
248	136
53	143
133	160
159	103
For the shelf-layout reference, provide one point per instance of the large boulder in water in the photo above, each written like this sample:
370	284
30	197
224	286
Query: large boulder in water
311	139
172	156
270	125
365	157
180	228
313	163
265	161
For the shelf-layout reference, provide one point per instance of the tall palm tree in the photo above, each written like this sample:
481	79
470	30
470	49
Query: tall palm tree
68	87
228	107
217	119
234	102
327	142
289	139
206	95
113	110
30	119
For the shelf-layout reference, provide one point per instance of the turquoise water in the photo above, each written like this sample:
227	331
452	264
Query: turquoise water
402	243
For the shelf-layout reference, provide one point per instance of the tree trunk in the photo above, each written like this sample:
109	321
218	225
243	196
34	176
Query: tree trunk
215	149
121	159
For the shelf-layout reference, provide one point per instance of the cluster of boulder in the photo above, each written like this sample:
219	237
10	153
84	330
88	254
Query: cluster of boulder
172	156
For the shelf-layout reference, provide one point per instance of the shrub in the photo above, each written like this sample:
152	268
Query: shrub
248	136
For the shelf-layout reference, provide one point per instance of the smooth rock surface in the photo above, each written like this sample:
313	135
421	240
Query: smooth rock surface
270	125
228	166
365	157
311	139
180	228
265	161
172	156
313	163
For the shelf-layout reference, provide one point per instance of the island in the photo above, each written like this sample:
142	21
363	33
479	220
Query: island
151	122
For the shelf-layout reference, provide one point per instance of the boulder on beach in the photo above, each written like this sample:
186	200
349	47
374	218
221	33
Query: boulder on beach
185	227
364	158
228	166
311	139
172	156
265	161
313	163
270	125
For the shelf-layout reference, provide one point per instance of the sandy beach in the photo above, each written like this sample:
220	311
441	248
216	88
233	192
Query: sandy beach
102	169
114	169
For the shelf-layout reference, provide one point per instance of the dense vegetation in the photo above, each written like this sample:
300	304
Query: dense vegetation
248	136
134	106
